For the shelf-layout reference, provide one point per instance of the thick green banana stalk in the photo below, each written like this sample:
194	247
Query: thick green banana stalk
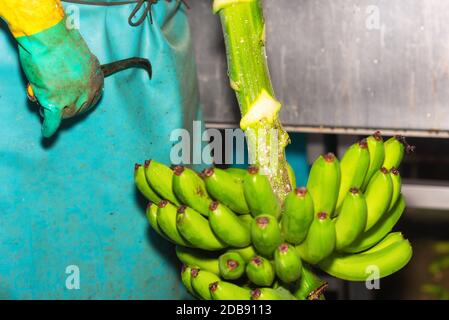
160	178
226	188
232	266
186	277
260	271
320	240
324	183
142	185
190	189
228	226
376	154
351	220
198	259
271	294
309	286
196	230
357	267
259	195
222	290
397	185
266	235
287	263
200	280
395	149
369	238
354	166
378	196
166	220
297	216
246	253
244	33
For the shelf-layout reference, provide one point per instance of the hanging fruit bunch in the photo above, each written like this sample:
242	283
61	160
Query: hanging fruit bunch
252	234
237	241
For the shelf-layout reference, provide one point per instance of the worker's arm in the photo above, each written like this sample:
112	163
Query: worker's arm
64	76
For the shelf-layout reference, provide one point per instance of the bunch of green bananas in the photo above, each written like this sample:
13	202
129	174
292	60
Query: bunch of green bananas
237	241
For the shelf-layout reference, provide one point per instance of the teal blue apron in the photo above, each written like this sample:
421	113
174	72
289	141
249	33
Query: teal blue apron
69	204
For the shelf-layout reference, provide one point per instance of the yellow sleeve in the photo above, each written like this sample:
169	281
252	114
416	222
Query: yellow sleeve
27	17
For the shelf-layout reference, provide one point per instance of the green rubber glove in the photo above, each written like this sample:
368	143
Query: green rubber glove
65	77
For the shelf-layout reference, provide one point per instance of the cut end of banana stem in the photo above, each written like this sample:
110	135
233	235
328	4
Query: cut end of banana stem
354	190
213	286
214	205
209	172
301	192
384	170
150	204
178	170
194	272
363	144
147	163
330	157
257	261
255	294
183	268
394	171
283	248
137	166
262	222
322	215
162	204
317	293
232	264
181	210
378	136
253	170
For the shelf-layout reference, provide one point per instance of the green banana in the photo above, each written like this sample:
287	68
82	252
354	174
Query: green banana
196	230
355	267
279	293
260	271
247	220
246	253
351	220
324	183
166	220
222	290
232	265
190	189
354	166
292	176
376	154
151	213
142	185
186	278
237	173
320	240
397	184
160	178
259	195
287	263
227	226
309	286
265	234
297	216
200	280
395	148
198	259
226	188
369	238
389	239
378	196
